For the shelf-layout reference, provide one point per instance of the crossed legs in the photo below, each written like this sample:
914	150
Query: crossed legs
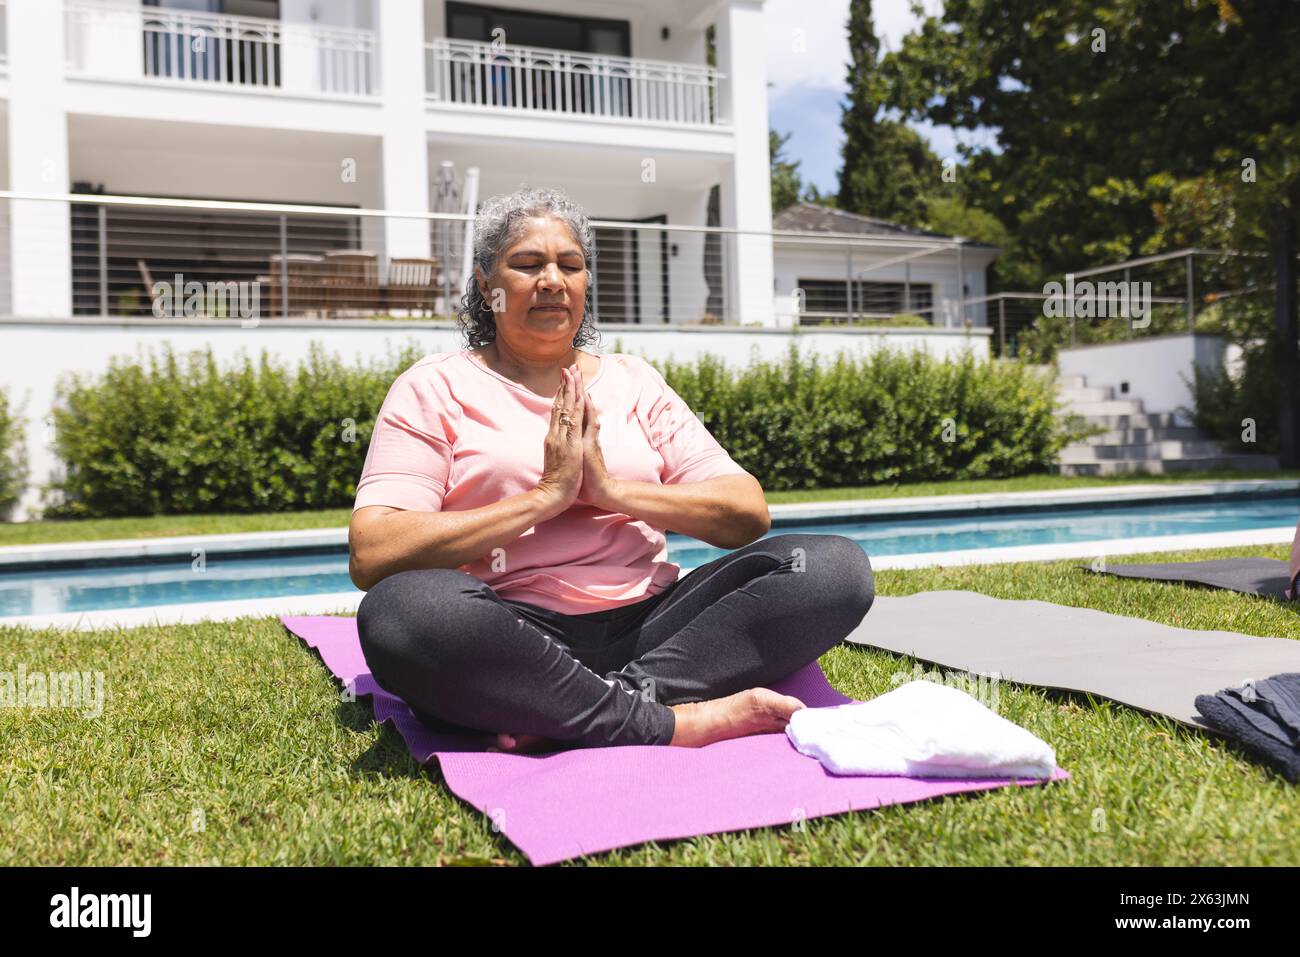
446	644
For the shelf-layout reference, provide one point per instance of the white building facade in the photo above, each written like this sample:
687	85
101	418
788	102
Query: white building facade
271	140
360	103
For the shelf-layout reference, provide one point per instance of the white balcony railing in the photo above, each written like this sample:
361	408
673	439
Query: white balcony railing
246	53
464	73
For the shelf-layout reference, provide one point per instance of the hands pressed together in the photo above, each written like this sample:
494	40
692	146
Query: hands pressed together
574	468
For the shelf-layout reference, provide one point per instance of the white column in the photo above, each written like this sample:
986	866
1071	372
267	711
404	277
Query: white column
746	193
99	38
405	148
40	233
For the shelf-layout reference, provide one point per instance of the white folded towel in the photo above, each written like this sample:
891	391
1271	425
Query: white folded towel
922	729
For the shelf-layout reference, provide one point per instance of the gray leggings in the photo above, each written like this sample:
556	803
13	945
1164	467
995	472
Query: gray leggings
466	660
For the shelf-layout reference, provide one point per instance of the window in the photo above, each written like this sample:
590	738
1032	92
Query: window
467	21
619	291
871	300
184	47
545	86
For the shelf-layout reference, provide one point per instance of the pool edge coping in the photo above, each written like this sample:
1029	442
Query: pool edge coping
249	544
347	602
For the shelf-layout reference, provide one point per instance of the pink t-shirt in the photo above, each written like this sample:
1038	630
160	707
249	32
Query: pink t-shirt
453	435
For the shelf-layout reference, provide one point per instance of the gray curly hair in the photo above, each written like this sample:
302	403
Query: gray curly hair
498	225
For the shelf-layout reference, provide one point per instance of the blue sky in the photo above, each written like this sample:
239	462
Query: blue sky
809	84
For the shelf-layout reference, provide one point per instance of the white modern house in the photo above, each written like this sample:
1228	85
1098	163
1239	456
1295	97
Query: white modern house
412	106
836	265
330	154
360	104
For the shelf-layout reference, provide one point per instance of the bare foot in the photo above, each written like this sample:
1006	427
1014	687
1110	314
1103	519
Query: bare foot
756	711
524	743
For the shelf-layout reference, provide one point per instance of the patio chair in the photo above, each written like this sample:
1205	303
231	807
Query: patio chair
305	283
412	284
351	278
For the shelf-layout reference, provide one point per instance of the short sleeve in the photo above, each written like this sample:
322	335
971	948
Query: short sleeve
689	451
409	459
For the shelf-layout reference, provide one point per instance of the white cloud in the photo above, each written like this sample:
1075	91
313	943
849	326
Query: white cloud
807	64
821	26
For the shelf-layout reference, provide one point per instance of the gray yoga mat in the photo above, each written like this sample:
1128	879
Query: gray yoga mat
1251	576
1139	663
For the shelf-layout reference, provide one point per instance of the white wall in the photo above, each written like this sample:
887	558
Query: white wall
333	13
795	260
1157	369
144	158
35	355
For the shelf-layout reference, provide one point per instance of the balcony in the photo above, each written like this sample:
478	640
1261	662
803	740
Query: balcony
465	74
214	51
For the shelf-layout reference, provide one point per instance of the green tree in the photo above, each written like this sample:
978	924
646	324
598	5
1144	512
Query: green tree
1101	109
888	170
787	184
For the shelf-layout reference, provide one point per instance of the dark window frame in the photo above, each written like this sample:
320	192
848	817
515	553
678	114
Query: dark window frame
633	270
833	294
624	27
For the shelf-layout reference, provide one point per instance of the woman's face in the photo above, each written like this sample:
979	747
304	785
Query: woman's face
539	289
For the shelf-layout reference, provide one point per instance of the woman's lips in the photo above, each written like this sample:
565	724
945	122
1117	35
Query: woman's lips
550	309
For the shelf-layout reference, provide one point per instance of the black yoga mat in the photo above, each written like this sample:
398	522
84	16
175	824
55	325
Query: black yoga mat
1250	576
1143	664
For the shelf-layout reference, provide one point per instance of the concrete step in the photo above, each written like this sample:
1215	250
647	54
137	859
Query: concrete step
1071	382
1081	394
1138	436
1106	407
1165	451
1237	463
1140	420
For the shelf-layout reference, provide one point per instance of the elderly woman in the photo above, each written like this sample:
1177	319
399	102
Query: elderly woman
509	529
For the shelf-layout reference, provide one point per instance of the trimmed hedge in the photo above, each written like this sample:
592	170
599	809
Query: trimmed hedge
165	436
13	454
175	437
889	417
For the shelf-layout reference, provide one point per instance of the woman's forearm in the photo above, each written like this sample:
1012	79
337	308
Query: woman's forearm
727	512
399	541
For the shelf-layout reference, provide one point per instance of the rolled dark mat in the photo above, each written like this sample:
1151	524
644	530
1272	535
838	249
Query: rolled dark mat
1266	577
1264	717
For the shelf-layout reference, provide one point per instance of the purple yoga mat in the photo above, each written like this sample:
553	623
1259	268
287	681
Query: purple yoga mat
562	805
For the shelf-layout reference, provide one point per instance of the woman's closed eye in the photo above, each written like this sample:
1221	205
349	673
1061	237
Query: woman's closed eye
531	266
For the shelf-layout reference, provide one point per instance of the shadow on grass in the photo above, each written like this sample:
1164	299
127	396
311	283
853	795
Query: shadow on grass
388	755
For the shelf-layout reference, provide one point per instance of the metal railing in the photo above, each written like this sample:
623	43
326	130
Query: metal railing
176	258
134	256
1190	290
465	73
215	50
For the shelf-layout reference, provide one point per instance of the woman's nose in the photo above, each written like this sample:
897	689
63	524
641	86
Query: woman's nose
552	277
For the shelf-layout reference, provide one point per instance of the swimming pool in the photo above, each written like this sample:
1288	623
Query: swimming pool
82	589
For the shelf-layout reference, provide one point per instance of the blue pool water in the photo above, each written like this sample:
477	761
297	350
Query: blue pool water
132	586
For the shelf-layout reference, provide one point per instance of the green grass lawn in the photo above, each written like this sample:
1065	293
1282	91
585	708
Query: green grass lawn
32	533
240	724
